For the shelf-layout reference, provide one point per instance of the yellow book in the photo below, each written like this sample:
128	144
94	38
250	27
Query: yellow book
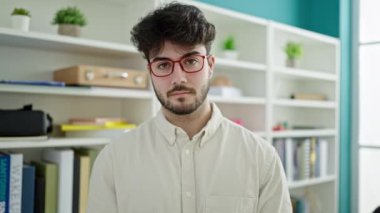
72	127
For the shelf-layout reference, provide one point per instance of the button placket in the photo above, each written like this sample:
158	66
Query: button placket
188	178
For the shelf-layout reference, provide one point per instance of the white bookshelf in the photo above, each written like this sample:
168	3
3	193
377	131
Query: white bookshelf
304	133
312	182
304	103
77	91
54	142
63	43
259	72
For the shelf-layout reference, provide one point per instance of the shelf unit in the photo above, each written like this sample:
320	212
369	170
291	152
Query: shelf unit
259	72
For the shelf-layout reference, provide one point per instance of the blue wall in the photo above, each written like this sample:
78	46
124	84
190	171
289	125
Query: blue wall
330	17
320	16
284	11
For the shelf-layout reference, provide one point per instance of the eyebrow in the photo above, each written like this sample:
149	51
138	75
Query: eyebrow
185	55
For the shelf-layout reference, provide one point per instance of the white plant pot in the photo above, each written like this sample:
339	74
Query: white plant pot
231	54
20	22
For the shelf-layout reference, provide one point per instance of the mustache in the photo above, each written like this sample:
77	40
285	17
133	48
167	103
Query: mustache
180	88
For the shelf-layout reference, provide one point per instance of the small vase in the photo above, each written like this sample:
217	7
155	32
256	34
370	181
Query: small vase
20	22
231	54
69	30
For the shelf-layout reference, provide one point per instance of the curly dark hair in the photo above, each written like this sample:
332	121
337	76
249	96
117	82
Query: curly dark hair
178	23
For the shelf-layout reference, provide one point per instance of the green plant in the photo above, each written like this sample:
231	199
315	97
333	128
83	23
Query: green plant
229	43
21	12
70	15
293	50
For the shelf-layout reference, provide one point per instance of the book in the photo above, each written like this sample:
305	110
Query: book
81	182
5	165
15	187
290	166
74	127
39	196
49	172
91	152
34	83
64	158
28	179
324	157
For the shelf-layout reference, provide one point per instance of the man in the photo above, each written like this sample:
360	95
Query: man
188	158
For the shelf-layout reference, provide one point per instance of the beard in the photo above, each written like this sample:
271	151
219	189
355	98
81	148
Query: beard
183	108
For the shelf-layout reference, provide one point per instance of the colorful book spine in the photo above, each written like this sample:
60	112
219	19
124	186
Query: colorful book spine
4	182
15	188
64	158
28	179
49	171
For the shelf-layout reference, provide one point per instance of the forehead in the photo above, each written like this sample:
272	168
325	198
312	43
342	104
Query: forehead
171	50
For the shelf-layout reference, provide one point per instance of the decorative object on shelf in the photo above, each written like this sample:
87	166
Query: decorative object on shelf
69	21
229	48
293	52
222	86
21	19
308	96
86	75
24	122
237	121
281	126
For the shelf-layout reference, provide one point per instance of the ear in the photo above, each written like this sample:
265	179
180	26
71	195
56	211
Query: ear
211	64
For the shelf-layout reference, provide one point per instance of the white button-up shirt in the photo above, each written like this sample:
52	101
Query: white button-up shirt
156	168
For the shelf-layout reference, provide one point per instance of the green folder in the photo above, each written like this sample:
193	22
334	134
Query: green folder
49	171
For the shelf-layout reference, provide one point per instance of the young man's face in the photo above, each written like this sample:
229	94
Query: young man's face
181	92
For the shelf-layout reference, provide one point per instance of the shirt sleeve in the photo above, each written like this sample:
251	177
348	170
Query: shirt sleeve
274	192
102	194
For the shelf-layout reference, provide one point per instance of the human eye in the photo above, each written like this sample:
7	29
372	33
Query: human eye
162	65
191	61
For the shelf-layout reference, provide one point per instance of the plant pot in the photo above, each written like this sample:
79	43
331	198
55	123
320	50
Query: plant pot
291	62
69	30
230	54
20	22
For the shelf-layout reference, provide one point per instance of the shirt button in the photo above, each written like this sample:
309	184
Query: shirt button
187	152
188	194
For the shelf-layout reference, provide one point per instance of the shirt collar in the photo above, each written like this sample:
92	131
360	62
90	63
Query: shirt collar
172	132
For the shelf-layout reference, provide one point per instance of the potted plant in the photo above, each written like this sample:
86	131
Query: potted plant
229	48
69	21
293	51
21	19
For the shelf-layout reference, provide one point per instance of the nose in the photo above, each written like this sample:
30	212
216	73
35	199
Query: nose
178	75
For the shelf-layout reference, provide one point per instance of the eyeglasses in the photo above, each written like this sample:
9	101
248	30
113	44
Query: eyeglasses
165	67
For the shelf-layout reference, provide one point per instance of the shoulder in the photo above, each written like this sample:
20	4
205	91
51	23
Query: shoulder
240	134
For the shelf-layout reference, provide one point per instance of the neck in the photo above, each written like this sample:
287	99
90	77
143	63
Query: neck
191	123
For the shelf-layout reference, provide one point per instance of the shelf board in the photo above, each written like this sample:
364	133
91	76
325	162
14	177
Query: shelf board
54	142
304	133
236	100
305	103
63	43
311	182
223	62
77	91
300	74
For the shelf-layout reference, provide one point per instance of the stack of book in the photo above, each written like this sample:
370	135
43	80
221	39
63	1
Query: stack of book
96	127
303	158
57	183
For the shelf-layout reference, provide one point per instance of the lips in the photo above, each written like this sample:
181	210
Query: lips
180	92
